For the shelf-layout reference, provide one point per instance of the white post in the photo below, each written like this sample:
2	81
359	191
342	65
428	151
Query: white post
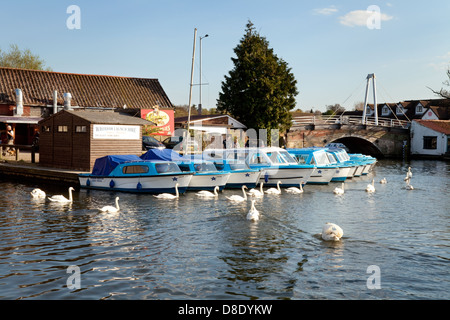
363	120
375	100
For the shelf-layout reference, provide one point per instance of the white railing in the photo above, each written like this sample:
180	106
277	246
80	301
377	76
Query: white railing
347	120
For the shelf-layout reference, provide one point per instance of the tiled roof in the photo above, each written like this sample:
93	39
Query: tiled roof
442	126
86	90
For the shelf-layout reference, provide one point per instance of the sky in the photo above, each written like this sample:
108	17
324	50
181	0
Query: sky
330	46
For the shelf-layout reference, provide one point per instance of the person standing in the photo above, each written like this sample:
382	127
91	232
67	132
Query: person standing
9	140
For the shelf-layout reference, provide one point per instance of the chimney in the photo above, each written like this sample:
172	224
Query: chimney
55	102
67	98
19	103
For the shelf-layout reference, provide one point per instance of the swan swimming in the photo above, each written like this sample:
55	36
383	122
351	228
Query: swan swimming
371	187
38	194
111	208
62	199
383	180
253	214
295	190
239	198
169	195
257	193
276	190
208	194
338	190
332	232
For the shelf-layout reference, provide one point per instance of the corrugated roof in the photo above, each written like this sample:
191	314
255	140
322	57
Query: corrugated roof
86	90
442	126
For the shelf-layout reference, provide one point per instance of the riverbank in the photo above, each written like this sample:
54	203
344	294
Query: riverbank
24	169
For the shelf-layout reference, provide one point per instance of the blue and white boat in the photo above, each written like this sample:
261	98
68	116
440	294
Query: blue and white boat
365	161
275	164
205	174
130	173
316	156
240	172
340	158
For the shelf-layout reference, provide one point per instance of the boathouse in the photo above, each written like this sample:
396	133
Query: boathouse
74	139
28	96
430	138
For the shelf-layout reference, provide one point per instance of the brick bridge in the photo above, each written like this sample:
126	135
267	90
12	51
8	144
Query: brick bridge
379	138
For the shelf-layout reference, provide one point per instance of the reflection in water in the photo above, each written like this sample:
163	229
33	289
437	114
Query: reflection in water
192	248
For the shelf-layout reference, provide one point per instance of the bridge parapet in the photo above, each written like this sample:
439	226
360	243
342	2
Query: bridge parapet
332	120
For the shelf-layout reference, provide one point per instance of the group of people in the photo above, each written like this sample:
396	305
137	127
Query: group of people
9	140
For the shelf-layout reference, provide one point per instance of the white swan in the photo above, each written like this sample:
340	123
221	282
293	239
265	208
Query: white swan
239	198
408	174
371	187
111	208
38	194
408	186
253	214
276	190
332	232
169	195
208	194
383	181
295	190
257	193
62	199
338	190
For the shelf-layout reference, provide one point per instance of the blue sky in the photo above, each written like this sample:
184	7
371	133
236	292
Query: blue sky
327	44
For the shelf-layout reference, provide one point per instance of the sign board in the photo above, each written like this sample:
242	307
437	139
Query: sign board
116	132
164	120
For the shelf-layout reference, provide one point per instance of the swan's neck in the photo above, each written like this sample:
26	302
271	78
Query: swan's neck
176	191
215	192
261	187
243	191
70	195
117	204
278	186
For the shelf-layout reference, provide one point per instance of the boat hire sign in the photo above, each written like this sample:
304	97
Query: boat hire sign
116	132
164	120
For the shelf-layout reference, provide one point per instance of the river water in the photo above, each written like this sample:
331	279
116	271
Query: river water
395	245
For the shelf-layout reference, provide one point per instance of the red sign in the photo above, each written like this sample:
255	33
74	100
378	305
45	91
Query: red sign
164	120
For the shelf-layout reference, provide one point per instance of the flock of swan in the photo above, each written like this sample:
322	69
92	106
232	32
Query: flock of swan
330	231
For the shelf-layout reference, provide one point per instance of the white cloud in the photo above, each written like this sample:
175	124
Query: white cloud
326	11
360	18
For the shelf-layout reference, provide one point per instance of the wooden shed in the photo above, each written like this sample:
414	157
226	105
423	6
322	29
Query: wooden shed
74	139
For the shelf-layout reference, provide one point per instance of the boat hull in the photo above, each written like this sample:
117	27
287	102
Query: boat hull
289	176
206	181
322	175
140	184
237	179
341	174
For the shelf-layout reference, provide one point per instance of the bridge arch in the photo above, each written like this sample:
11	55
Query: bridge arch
360	145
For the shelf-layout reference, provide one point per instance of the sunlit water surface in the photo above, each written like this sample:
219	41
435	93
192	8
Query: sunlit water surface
194	248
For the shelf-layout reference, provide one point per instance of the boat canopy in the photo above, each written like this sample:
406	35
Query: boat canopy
105	165
164	155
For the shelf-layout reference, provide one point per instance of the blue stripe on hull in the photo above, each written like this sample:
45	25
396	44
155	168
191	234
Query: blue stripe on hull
207	188
239	185
146	190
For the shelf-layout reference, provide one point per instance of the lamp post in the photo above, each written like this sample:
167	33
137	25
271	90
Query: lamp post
200	83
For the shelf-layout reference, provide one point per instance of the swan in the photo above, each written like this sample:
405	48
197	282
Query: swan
295	190
239	198
276	190
60	198
208	194
169	195
257	193
253	214
371	187
338	190
38	194
332	232
383	180
408	174
111	208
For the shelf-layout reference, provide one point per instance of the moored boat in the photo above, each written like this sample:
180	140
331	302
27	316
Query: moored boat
130	173
325	171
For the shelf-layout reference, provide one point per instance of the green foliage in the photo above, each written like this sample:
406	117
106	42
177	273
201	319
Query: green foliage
260	90
15	58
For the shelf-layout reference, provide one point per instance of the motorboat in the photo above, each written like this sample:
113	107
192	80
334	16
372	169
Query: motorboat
240	172
324	172
275	164
130	173
205	174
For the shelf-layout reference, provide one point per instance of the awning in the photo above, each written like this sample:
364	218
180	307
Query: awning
220	130
19	119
